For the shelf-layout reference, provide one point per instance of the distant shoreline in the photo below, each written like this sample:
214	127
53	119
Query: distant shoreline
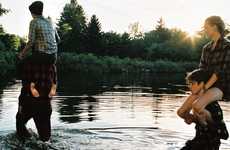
71	62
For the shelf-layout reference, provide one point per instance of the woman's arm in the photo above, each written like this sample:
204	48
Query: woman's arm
211	81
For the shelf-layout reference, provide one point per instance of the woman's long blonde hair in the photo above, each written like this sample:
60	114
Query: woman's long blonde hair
218	22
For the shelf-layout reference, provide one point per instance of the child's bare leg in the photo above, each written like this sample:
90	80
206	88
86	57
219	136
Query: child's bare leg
186	106
53	90
33	90
211	95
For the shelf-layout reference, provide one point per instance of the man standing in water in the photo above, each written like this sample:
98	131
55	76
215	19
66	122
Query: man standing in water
43	74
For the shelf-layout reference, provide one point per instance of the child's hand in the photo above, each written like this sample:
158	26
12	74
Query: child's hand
189	119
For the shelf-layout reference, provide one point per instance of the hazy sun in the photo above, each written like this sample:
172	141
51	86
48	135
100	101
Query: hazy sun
191	33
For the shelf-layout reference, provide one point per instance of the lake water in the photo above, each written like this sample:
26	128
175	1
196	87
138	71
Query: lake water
108	112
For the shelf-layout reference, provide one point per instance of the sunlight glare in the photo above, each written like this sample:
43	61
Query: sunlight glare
191	33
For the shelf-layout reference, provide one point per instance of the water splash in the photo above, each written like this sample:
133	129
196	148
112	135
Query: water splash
11	141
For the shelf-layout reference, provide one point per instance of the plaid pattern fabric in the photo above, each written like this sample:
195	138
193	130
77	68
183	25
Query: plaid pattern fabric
218	61
42	35
43	75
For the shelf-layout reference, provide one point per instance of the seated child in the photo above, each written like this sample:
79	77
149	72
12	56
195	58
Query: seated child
33	60
210	127
46	59
40	58
43	53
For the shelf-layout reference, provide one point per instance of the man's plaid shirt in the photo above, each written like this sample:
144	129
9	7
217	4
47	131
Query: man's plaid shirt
42	35
218	61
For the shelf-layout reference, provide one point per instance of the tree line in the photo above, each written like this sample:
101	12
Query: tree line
82	36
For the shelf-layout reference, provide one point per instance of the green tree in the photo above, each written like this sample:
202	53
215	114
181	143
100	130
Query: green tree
179	46
3	10
11	42
168	44
162	33
135	30
159	34
94	35
198	43
2	46
111	42
72	26
1	29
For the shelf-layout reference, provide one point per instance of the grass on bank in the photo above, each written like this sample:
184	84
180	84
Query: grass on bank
73	62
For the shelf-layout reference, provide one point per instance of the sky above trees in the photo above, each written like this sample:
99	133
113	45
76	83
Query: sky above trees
117	15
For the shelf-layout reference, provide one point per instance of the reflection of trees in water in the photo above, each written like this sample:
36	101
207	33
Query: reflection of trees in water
91	108
167	82
1	105
7	84
156	108
71	109
98	83
84	86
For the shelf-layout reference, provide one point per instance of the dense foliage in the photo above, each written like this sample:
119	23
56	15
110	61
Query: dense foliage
84	46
